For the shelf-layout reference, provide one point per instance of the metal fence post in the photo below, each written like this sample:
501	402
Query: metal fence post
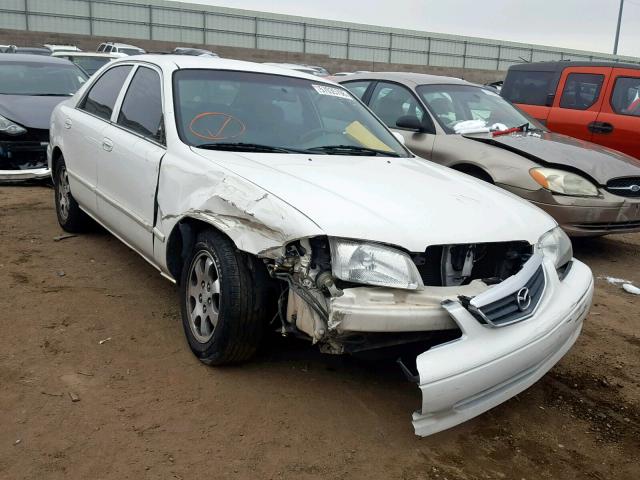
499	56
204	27
428	51
26	14
348	43
390	45
464	56
531	56
90	17
150	22
304	37
255	32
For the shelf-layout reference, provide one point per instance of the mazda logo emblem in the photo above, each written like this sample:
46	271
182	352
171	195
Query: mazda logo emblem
523	298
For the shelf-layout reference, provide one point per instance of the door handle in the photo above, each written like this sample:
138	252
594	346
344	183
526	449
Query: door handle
600	127
107	144
68	123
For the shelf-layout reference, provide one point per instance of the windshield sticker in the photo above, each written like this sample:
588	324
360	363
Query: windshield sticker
332	91
365	137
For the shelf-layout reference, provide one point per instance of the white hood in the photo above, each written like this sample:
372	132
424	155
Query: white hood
407	202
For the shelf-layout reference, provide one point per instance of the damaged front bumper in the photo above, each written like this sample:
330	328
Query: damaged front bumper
486	366
23	160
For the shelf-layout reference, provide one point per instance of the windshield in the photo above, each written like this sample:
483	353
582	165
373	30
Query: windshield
216	107
89	64
452	105
40	78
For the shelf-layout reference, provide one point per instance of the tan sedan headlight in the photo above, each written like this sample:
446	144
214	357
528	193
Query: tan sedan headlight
566	183
556	245
373	264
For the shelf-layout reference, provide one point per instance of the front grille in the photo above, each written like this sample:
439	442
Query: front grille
509	310
22	155
624	187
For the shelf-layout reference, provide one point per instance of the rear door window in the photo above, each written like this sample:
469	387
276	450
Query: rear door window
528	87
581	91
141	110
625	99
103	94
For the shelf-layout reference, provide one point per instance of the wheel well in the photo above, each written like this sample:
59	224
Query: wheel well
180	241
474	171
56	155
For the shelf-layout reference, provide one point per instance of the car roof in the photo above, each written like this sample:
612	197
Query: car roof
27	58
408	78
561	65
121	45
68	53
178	62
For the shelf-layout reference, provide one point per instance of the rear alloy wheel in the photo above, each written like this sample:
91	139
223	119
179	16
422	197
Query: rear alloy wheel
70	217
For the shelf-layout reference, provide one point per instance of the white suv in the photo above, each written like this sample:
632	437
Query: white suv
120	48
276	199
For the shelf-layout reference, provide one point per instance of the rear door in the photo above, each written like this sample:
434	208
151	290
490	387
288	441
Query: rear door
128	170
84	126
578	101
618	124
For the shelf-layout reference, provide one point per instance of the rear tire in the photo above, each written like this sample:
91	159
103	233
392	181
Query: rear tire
224	300
70	217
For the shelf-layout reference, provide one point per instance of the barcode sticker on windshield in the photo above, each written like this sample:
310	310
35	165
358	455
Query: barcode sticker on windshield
333	91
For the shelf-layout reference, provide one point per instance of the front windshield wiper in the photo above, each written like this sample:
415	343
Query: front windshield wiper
350	150
247	147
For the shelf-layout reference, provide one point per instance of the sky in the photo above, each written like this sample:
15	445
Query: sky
578	24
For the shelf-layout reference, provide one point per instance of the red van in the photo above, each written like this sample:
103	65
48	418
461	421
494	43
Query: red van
594	101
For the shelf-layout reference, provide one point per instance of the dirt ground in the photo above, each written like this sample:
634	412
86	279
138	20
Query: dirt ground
86	317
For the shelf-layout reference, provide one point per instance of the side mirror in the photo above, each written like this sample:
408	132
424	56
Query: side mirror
550	98
410	122
399	137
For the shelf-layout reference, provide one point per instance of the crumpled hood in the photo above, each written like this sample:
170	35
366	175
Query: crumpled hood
401	201
28	111
598	162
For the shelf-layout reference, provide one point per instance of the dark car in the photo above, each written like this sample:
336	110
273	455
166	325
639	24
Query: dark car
30	87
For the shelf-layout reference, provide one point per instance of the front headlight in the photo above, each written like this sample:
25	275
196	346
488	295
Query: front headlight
555	244
566	183
10	128
373	264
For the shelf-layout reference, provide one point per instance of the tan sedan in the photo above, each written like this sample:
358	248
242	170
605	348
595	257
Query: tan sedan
590	190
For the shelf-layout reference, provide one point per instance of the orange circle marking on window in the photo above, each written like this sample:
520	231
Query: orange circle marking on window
228	121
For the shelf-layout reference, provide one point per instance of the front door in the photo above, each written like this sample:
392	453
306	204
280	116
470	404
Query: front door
128	171
391	101
576	107
618	124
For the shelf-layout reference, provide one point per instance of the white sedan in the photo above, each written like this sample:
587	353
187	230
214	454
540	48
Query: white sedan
275	199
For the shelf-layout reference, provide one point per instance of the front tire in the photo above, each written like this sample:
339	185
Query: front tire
223	300
70	217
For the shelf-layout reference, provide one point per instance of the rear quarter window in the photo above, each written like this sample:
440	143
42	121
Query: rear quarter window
528	87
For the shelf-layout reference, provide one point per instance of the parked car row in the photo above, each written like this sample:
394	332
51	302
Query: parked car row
346	214
272	195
